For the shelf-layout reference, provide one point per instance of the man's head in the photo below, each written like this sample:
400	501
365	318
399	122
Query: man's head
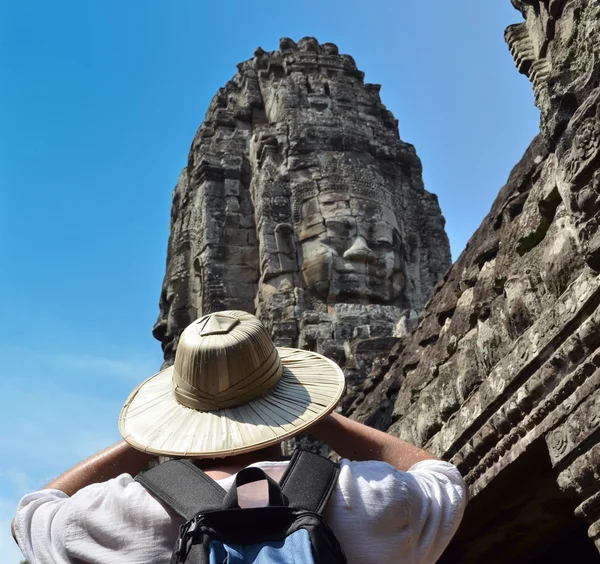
230	392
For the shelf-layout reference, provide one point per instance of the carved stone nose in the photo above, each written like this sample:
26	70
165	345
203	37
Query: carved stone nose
358	251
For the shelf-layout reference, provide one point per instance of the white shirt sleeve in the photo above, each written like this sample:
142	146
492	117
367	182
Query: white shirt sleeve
380	514
438	510
35	526
114	521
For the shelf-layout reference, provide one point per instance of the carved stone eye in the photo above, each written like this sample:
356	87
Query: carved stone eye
319	102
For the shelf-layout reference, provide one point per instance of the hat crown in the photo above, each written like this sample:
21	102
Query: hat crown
224	359
216	324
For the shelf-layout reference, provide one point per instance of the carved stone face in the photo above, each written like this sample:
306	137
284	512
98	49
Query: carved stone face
351	248
176	309
170	315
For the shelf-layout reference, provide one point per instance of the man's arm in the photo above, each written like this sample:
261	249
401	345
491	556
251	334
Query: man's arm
120	458
355	441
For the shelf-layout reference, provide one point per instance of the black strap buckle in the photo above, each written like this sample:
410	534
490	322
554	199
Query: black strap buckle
186	535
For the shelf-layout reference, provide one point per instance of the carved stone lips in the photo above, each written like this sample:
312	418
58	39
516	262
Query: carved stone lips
354	275
376	270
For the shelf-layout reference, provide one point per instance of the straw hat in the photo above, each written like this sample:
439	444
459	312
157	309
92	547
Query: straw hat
230	391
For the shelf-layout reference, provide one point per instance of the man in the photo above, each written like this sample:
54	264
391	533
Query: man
228	402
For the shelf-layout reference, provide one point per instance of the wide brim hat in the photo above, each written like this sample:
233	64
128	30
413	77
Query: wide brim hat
230	391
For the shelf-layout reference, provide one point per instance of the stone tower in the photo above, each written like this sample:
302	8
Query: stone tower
301	204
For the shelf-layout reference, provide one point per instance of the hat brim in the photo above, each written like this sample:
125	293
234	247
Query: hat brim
152	419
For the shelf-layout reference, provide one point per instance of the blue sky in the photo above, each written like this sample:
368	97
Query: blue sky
99	102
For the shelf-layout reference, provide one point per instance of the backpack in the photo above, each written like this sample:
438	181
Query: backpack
290	530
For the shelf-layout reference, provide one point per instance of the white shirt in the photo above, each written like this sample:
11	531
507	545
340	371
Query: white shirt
379	515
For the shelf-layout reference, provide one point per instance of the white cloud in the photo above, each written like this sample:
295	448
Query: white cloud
55	425
59	408
10	553
130	366
64	404
20	482
133	368
59	435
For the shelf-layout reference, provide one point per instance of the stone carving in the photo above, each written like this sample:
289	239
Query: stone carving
301	204
502	373
557	54
585	148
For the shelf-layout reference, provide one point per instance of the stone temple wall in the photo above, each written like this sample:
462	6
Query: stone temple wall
502	374
301	204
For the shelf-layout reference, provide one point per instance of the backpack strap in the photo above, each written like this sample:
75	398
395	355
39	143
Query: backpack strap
309	481
183	486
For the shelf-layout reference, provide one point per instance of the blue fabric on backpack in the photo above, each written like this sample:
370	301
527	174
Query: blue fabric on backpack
296	549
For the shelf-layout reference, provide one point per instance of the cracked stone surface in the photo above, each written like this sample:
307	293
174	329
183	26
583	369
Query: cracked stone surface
502	374
300	203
